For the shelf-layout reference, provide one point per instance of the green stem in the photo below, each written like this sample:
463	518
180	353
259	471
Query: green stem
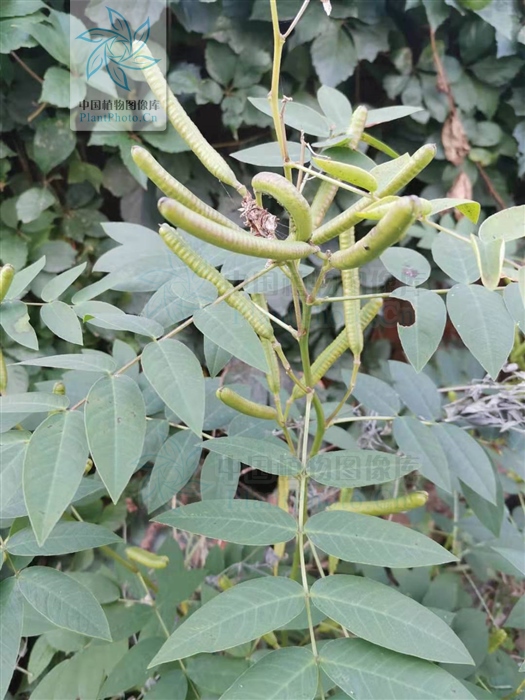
278	44
348	393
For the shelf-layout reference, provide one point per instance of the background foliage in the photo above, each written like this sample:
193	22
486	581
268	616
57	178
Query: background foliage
463	62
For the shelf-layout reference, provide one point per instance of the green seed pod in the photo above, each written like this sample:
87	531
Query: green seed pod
290	199
174	189
59	388
496	639
3	373
356	126
417	499
242	405
346	172
378	209
203	269
322	201
351	216
351	307
237	241
388	231
338	346
142	556
7	272
184	126
274	374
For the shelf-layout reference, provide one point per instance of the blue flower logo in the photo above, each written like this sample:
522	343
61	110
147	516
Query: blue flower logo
115	48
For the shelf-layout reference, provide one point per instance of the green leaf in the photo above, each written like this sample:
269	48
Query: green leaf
506	225
215	674
63	601
420	442
53	467
92	361
421	340
240	614
172	684
376	395
268	154
229	330
62	321
388	114
297	116
468	207
336	107
23	279
54	141
11	465
62	89
240	521
179	298
33	402
115	417
456	258
127	322
216	357
284	674
385	617
365	539
58	285
19	8
516	619
175	464
269	456
14	319
515	304
406	265
11	614
417	391
219	477
514	556
32	203
490	255
334	55
355	468
489	514
65	538
467	460
368	672
176	376
483	323
132	669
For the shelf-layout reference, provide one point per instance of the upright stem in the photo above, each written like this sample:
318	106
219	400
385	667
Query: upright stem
278	44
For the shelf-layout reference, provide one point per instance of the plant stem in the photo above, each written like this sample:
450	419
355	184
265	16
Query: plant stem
348	393
278	44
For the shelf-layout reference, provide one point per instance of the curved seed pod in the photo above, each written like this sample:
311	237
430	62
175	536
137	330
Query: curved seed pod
174	189
351	216
338	346
249	408
378	209
237	241
203	269
142	556
274	374
3	373
351	307
184	126
322	201
388	231
357	126
345	171
384	507
7	272
290	199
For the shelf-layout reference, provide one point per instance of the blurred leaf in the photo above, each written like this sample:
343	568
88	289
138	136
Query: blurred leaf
334	55
54	142
417	391
10	631
32	203
515	304
418	441
132	669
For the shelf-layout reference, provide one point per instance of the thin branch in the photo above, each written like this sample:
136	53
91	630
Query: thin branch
26	68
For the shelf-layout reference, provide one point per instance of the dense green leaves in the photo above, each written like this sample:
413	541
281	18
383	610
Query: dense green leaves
385	617
63	601
365	539
176	375
54	463
115	417
244	522
368	672
285	674
238	615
